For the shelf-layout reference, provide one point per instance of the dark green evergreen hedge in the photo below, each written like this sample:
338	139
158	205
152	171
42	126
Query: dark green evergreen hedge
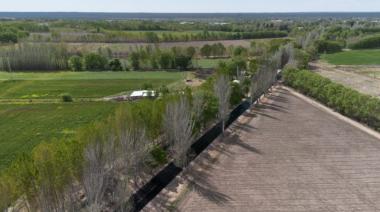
351	103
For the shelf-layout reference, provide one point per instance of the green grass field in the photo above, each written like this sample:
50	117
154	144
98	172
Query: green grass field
354	57
24	126
79	84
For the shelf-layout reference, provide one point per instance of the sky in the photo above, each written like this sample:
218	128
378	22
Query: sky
183	6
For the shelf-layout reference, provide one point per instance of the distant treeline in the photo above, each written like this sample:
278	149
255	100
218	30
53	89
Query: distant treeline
146	25
58	57
137	30
152	36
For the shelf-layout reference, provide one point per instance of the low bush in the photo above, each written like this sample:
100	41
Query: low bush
159	156
75	63
115	65
95	62
8	37
351	103
66	97
182	62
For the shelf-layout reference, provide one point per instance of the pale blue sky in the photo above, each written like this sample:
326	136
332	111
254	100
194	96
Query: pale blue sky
190	5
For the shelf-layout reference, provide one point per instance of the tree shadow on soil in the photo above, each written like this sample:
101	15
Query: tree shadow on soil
236	140
269	106
197	177
278	99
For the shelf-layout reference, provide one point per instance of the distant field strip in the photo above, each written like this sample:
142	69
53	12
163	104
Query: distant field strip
79	84
91	75
47	89
354	57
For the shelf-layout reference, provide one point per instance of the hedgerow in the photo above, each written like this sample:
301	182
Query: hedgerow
367	43
351	103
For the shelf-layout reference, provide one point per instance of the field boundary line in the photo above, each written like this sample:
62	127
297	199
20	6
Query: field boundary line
320	106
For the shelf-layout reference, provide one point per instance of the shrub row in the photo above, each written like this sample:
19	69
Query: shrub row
326	46
94	62
351	103
367	43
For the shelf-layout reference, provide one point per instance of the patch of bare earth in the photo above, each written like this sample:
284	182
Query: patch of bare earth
365	79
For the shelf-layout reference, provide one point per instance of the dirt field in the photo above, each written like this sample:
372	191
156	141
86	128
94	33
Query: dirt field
365	79
287	155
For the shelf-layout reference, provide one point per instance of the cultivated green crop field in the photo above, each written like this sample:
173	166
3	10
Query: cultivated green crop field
156	75
46	118
354	57
52	89
78	84
24	126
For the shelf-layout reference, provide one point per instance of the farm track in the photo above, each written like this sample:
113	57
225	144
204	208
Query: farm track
364	84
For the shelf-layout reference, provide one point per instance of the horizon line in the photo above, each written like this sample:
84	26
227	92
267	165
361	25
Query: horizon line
191	12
